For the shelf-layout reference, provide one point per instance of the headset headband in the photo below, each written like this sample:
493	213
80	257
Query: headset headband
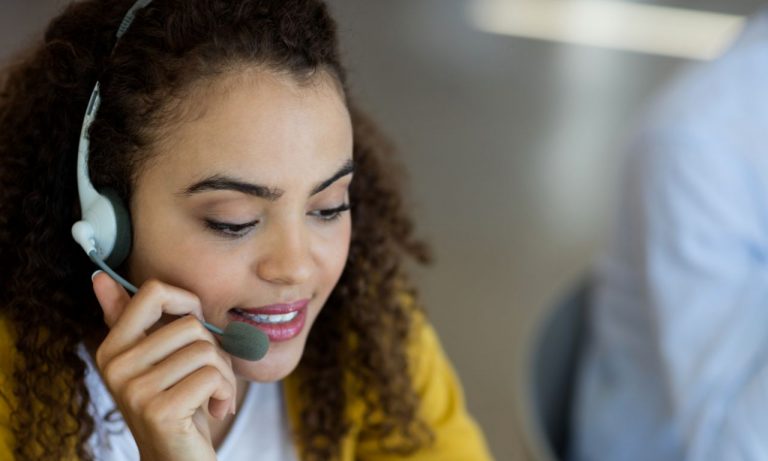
104	231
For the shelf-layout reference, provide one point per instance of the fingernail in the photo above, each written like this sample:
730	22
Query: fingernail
234	407
95	273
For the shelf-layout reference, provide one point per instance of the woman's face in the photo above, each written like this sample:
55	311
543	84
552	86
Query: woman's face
244	204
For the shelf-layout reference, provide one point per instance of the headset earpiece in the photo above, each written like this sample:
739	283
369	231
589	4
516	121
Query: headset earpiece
122	236
105	230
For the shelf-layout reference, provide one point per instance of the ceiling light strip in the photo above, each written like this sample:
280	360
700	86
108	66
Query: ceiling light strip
611	24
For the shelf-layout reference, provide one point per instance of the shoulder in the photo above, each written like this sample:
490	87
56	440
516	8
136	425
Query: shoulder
441	404
7	360
426	354
717	105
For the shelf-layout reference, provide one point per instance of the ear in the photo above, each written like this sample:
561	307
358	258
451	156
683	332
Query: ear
111	295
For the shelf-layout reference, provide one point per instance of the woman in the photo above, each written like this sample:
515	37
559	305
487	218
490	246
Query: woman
225	129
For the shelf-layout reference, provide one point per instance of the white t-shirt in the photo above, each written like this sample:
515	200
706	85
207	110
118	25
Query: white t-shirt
260	431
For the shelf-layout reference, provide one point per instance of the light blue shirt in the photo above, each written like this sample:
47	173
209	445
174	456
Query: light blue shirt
677	363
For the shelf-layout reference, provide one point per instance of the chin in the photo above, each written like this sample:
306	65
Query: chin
280	361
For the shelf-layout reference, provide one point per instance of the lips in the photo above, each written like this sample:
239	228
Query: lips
280	322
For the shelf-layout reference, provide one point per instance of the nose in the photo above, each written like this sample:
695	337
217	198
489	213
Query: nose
287	259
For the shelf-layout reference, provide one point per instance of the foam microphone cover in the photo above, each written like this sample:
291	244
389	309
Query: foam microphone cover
245	341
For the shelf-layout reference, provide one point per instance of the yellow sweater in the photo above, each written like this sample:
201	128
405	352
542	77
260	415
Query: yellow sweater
457	437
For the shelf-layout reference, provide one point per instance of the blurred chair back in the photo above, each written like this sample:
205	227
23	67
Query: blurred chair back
552	369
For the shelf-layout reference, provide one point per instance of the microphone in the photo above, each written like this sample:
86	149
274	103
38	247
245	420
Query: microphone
242	340
239	339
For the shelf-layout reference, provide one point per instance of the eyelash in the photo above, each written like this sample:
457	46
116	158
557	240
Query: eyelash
227	229
237	230
331	214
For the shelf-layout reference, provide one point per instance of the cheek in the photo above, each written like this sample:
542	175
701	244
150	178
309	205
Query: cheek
216	276
332	258
191	263
333	254
161	243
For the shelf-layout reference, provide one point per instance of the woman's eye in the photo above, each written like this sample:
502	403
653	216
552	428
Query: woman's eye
331	214
230	229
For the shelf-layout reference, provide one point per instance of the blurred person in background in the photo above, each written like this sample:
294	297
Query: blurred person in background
676	367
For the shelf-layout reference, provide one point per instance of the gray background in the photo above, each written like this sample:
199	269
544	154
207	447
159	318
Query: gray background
512	147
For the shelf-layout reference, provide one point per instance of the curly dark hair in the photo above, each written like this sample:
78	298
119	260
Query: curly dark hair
47	297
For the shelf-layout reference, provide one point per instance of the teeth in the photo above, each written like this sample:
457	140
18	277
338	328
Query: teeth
264	318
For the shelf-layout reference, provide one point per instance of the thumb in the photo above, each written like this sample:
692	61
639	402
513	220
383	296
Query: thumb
111	295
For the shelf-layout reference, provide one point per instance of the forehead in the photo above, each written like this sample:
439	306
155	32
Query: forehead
257	124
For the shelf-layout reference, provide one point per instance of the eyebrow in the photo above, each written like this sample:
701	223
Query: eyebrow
346	169
224	182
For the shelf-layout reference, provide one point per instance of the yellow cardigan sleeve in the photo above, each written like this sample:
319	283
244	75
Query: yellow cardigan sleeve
7	354
457	436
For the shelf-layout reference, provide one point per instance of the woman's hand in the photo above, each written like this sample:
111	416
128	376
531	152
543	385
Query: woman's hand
164	380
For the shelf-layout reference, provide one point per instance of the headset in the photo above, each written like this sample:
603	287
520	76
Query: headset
104	232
